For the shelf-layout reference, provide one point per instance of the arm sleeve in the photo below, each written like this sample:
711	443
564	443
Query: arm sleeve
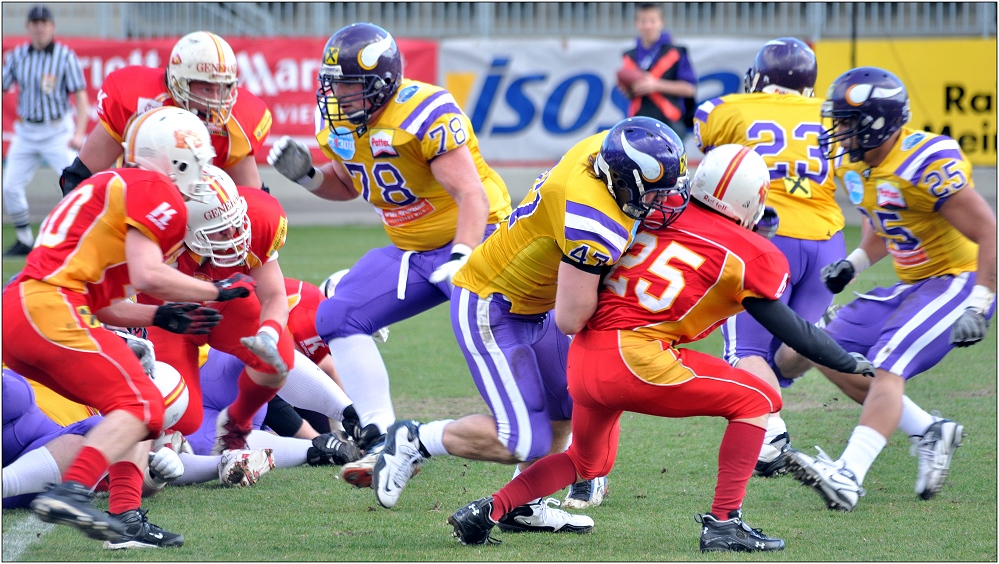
8	71
74	74
808	340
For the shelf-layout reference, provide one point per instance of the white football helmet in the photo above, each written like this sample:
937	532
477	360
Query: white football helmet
174	142
219	228
206	57
733	180
175	393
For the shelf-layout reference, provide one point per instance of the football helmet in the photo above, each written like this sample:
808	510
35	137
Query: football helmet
733	180
219	228
784	65
867	106
644	165
364	55
205	57
172	141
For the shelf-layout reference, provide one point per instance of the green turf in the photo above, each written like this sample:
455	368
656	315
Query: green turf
665	472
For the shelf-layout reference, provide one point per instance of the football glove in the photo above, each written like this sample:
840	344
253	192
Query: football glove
164	466
351	421
837	275
235	287
291	158
446	271
768	224
970	328
264	346
143	349
186	318
864	367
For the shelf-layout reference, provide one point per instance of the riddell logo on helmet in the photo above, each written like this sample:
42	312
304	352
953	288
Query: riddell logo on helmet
215	68
186	139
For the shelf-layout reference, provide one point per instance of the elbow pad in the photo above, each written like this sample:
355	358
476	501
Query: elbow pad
73	175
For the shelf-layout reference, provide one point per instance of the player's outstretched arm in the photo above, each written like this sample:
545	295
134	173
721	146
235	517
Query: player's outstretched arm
294	161
967	211
150	275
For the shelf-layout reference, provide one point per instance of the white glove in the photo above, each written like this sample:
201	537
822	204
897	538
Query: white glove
142	348
446	271
264	346
164	466
293	160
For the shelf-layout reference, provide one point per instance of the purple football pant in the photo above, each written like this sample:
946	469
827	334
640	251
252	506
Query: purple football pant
518	364
904	329
805	294
26	427
219	386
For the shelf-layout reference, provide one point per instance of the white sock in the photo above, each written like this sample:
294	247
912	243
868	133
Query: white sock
432	437
288	451
34	472
308	387
864	446
914	419
775	427
198	469
364	378
25	236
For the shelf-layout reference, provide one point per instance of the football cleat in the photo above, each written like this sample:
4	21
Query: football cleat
774	457
69	504
358	473
228	436
395	465
540	517
588	493
140	533
935	450
333	448
472	523
241	468
837	485
733	535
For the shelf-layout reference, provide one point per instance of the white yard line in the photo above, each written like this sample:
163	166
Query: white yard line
26	529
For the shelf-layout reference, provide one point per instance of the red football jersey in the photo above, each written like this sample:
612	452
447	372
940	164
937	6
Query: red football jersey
303	300
268	232
680	283
81	244
135	90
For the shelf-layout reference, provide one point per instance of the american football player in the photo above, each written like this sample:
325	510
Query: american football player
675	286
408	149
200	78
529	285
106	241
919	203
779	119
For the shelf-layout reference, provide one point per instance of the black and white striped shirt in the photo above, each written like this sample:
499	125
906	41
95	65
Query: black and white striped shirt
44	78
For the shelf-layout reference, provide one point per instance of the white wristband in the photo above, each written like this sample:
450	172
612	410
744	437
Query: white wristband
312	183
981	298
270	331
859	259
459	248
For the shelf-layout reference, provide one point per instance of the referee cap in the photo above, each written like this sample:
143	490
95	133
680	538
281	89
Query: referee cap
40	13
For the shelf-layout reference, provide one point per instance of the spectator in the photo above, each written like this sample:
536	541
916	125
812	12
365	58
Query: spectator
45	72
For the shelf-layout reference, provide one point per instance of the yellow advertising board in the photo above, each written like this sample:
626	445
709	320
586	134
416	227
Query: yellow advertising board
951	84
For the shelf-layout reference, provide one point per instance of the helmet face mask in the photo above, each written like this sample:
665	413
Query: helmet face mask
362	68
219	228
733	181
644	165
202	77
867	105
785	65
174	142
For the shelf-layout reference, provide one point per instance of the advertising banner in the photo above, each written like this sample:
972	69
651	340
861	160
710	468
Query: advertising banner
951	84
531	100
282	71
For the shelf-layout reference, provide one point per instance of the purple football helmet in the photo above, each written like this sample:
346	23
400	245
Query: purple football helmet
645	166
361	54
784	65
867	105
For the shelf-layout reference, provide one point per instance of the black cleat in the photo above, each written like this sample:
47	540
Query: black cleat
140	533
333	448
69	504
16	250
472	523
775	457
733	535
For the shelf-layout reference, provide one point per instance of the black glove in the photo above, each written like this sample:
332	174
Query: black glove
768	224
73	175
837	275
864	367
186	318
235	287
368	437
351	422
969	328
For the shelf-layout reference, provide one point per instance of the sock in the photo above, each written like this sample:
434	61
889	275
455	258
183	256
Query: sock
288	451
737	457
125	487
87	468
432	437
545	477
198	469
33	472
864	446
308	387
251	397
914	419
25	235
775	427
364	378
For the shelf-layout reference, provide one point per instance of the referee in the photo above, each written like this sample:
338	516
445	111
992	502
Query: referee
45	72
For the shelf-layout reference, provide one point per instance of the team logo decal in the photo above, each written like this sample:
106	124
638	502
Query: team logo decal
912	140
381	143
651	169
890	196
406	93
342	143
369	55
332	56
186	138
854	187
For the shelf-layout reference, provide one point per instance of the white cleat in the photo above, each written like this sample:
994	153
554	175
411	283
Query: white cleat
585	494
242	468
837	485
935	451
540	516
402	456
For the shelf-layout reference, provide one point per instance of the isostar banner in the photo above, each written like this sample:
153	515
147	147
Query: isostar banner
282	71
531	100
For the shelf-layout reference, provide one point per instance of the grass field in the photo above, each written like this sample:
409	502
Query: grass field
665	473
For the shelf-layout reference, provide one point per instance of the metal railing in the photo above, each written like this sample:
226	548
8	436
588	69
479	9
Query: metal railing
438	20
